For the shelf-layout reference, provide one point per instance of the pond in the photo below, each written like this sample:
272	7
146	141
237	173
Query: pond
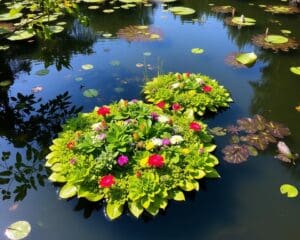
245	203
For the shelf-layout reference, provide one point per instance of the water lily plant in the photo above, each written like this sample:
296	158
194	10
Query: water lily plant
131	154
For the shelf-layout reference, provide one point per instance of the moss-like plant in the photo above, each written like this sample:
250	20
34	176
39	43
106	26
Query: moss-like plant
131	154
275	42
178	92
223	9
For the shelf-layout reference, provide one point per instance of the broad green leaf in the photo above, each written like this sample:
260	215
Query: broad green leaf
87	66
5	17
56	177
114	211
135	208
178	195
90	93
290	190
285	31
18	230
295	70
276	39
93	197
246	58
197	50
68	191
182	10
21	35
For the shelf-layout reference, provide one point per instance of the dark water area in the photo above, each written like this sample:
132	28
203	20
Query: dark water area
245	203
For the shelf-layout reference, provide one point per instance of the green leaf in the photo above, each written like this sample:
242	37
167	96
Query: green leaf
135	208
93	197
210	148
21	35
67	191
295	70
182	10
276	39
197	50
18	230
5	83
114	210
290	190
178	195
56	177
90	93
246	58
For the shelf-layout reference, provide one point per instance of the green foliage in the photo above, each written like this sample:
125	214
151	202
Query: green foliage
133	154
193	92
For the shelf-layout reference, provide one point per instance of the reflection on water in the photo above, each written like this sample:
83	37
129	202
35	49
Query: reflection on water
244	204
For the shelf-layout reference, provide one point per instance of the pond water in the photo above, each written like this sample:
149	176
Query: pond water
245	203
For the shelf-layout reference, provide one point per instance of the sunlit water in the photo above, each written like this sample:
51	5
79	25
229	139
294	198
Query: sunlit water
244	204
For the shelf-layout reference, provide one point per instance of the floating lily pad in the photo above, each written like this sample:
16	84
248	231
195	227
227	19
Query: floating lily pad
90	93
290	190
241	21
18	230
197	50
87	66
295	70
21	35
42	72
56	29
276	39
285	31
246	58
236	153
223	9
108	10
10	17
4	47
5	83
182	10
93	7
106	35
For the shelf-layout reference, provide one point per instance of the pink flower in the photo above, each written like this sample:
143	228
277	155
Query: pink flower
72	161
195	126
154	116
103	111
207	88
176	106
106	181
156	160
161	104
166	141
101	136
122	160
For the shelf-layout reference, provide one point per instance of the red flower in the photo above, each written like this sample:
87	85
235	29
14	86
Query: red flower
188	74
71	145
106	181
103	111
207	88
138	174
156	160
195	126
161	104
176	106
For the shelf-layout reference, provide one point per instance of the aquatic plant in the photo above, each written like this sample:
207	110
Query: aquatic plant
240	21
275	42
192	92
282	9
241	59
251	135
131	154
140	33
223	9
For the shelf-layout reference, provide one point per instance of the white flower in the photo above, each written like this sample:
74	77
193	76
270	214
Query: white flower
175	85
199	81
163	119
97	126
156	141
176	139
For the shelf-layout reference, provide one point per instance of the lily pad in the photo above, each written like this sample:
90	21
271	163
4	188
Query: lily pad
10	17
56	29
182	10
5	83
90	93
246	58
18	230
236	153
42	72
87	66
197	50
285	31
290	190
295	70
21	35
276	39
108	10
243	21
4	47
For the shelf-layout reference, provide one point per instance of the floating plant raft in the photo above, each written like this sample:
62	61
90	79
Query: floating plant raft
189	92
282	9
131	155
275	42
